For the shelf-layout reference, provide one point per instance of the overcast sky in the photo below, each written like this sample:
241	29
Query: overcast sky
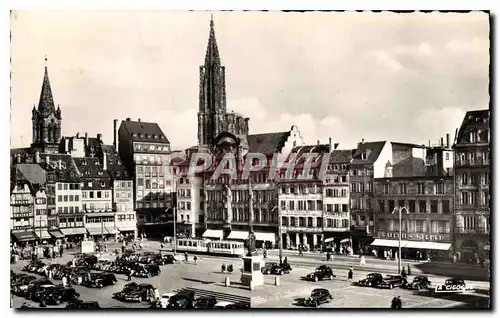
348	76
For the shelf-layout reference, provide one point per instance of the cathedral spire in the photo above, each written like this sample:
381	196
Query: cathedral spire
46	101
212	56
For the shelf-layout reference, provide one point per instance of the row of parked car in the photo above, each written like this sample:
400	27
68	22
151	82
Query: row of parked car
43	291
185	299
418	283
273	268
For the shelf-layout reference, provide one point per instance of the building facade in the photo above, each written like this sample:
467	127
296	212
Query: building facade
21	213
40	215
145	151
426	220
472	186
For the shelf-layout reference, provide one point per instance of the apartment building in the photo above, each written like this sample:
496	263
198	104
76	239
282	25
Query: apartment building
21	213
472	186
40	215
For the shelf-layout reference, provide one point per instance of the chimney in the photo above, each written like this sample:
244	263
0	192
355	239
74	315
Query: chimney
86	139
115	134
99	137
104	161
330	145
362	140
37	157
59	164
128	119
448	141
66	145
318	142
442	142
77	135
429	143
138	119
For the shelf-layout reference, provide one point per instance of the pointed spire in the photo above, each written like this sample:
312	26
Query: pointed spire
212	55
46	102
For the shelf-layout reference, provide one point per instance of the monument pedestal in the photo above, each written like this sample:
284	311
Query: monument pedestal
252	275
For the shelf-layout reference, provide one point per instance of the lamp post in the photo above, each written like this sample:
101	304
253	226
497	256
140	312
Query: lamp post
175	227
280	233
399	209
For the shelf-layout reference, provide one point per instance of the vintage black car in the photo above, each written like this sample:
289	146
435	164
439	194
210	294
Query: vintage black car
318	297
164	259
80	304
321	273
183	299
59	295
21	284
452	285
268	267
205	302
391	281
36	294
134	292
34	266
35	286
419	282
238	305
100	280
146	270
371	280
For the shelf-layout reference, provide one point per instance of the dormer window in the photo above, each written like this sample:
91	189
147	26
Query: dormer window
103	184
363	156
97	163
100	173
156	136
89	184
134	135
161	137
473	136
84	163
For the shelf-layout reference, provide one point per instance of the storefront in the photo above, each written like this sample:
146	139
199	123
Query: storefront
24	237
416	246
74	234
43	235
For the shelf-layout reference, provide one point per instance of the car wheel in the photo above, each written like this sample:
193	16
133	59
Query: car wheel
391	286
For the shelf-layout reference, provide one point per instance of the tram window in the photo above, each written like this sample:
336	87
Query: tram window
195	244
226	246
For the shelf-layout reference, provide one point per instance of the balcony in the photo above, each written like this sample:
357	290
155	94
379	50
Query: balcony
477	230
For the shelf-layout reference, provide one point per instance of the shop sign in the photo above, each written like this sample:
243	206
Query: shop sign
414	236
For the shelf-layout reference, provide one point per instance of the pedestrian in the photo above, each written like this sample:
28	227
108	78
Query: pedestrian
328	256
61	251
64	281
161	245
300	251
350	274
285	261
394	303
186	257
403	272
123	249
409	270
195	259
157	294
399	303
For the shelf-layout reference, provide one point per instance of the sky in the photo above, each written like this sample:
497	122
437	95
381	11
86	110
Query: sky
345	76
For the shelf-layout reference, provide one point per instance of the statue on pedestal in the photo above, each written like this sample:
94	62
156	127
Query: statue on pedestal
251	247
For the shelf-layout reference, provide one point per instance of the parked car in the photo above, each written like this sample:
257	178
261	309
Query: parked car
33	267
268	266
58	295
238	305
164	298
20	288
80	304
321	273
140	293
205	302
147	270
391	281
318	297
164	259
452	285
35	285
183	299
371	280
100	280
36	294
419	282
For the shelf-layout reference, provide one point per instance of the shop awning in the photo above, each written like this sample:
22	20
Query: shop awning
110	230
238	235
330	239
266	237
213	234
74	231
388	243
56	234
97	230
346	240
126	228
428	245
44	235
24	236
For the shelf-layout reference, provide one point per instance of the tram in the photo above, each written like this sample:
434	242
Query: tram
203	246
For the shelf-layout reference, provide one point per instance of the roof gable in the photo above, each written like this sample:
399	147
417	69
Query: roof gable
267	143
145	132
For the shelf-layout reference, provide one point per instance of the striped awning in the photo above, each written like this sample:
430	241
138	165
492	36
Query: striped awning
24	236
44	235
110	230
74	231
126	228
218	234
56	234
238	235
97	230
266	237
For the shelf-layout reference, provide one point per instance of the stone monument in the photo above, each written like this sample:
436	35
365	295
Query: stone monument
252	263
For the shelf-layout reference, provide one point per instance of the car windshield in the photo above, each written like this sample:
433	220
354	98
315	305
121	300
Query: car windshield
417	279
316	292
371	276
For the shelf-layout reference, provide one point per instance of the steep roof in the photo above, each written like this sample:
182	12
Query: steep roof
114	165
92	174
212	56
32	172
67	172
372	149
341	156
267	143
144	131
474	119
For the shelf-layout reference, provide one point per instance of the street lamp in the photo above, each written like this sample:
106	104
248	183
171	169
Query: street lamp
280	233
399	209
175	228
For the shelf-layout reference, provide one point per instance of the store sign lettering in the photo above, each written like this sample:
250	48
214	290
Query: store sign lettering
413	236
